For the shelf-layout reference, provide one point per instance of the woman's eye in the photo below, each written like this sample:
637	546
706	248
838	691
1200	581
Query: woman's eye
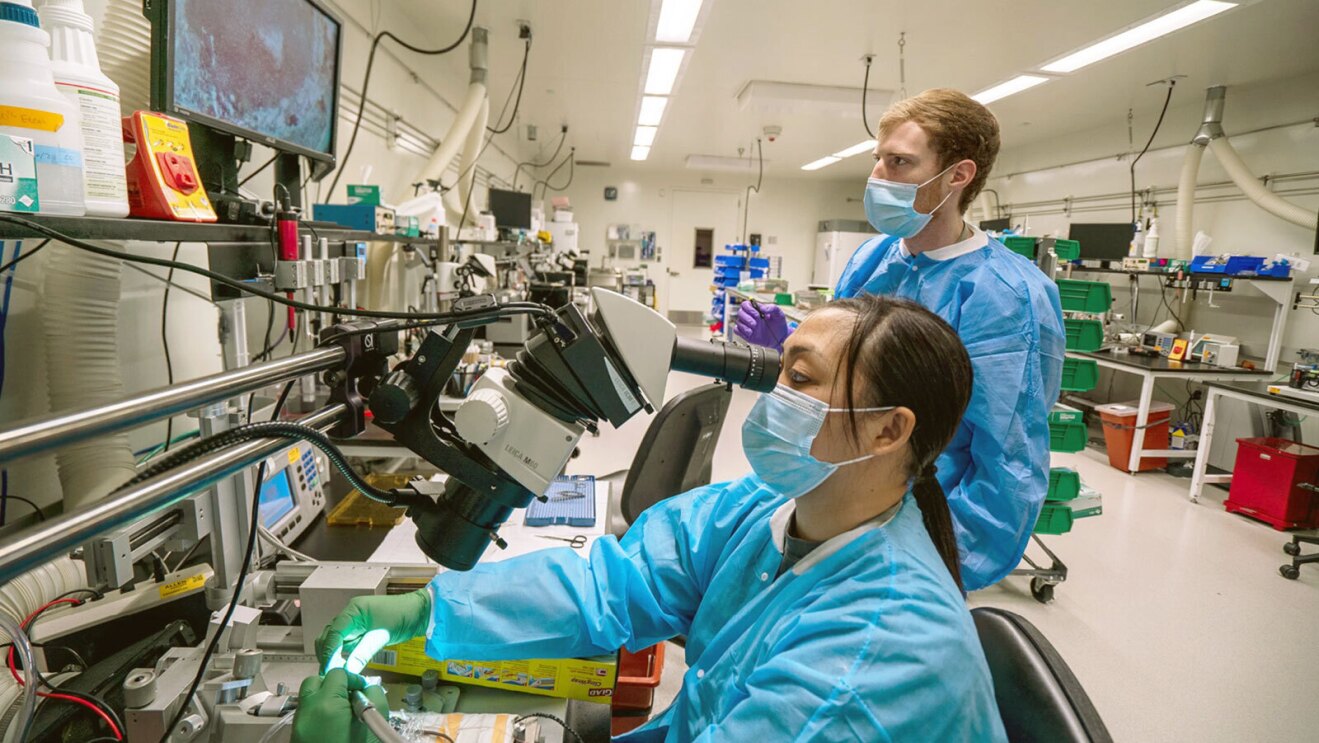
797	377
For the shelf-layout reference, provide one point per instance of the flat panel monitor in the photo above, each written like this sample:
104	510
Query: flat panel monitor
1103	241
263	70
996	225
512	209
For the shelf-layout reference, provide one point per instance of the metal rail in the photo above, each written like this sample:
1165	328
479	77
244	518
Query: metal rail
55	537
40	435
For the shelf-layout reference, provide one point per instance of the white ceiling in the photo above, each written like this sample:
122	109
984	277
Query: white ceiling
588	55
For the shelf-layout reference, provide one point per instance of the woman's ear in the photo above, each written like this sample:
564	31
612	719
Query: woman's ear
892	430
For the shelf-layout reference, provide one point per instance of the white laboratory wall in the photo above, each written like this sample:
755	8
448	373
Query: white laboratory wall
1273	127
424	100
786	212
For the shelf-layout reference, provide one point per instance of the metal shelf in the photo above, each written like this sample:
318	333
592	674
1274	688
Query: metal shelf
1064	268
151	230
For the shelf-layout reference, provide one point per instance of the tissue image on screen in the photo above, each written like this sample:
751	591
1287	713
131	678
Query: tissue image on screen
267	67
276	500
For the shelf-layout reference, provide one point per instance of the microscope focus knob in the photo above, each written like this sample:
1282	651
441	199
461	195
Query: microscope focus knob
394	398
482	416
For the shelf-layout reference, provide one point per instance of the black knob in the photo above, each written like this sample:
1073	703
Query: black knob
394	398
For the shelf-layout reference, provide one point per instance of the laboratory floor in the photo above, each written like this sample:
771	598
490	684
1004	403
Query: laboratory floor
1173	616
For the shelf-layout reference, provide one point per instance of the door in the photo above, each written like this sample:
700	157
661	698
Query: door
703	223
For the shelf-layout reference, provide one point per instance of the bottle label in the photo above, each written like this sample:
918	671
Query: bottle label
30	118
102	143
18	175
62	156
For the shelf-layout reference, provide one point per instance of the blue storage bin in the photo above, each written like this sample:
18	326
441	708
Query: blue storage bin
1280	270
1235	264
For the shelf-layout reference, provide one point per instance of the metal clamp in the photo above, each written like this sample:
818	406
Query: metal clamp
292	275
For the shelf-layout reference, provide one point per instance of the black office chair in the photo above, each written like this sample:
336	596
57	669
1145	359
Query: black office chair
676	454
1039	698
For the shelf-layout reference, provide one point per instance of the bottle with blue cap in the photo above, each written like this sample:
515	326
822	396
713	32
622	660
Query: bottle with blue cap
32	108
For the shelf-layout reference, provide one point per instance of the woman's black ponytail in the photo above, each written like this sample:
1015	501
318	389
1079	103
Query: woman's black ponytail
902	354
938	520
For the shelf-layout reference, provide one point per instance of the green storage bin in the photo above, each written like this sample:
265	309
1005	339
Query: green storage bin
1054	519
1023	246
1067	432
1066	250
1084	335
1080	375
1064	484
1094	297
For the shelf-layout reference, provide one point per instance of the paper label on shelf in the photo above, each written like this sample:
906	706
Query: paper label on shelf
183	585
31	118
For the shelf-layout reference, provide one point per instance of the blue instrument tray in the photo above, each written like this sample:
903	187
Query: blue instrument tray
571	502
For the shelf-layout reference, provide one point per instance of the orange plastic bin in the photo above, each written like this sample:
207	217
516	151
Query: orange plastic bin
634	693
1120	431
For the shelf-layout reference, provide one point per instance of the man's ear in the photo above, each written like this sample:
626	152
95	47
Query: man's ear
892	431
963	173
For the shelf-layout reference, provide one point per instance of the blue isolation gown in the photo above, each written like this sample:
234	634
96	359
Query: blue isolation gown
867	638
996	470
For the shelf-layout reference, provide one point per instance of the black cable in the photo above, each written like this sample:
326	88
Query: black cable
164	337
563	137
746	200
545	715
41	515
571	157
44	681
270	327
241	286
865	87
24	256
521	81
1171	84
366	82
256	172
233	603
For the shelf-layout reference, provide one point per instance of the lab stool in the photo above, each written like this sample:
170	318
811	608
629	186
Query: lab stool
1293	548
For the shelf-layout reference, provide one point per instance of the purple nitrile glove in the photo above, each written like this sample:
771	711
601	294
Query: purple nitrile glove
762	324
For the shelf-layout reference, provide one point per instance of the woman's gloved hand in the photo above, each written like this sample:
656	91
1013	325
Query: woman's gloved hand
324	713
762	324
368	624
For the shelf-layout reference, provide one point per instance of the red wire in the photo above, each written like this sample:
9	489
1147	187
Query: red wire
13	670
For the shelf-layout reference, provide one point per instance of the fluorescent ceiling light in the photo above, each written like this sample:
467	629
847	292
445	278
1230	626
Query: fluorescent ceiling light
652	110
645	136
1139	34
664	65
640	153
772	97
823	162
856	149
677	19
1003	90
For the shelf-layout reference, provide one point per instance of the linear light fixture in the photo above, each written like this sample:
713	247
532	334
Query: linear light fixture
1160	25
823	162
645	136
856	149
640	153
663	74
677	20
1003	90
652	110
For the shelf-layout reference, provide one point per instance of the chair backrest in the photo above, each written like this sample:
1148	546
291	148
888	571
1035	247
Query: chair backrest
1038	696
677	451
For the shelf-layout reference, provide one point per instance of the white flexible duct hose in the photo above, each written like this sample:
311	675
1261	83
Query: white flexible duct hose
468	166
1186	200
80	309
24	595
457	136
1254	189
23	647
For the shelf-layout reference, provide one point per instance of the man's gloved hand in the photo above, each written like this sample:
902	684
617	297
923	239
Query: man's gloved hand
368	624
324	713
762	324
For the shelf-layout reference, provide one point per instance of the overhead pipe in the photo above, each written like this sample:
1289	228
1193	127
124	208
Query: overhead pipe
1210	135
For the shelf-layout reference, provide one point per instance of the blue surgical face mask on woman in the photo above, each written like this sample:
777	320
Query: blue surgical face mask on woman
891	206
777	438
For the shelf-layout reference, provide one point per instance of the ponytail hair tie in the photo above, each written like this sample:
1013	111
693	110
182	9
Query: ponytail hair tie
928	472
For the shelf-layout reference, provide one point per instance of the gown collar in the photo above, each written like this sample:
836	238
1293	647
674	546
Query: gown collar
782	517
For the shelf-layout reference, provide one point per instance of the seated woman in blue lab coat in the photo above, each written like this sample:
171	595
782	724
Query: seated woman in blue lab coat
820	596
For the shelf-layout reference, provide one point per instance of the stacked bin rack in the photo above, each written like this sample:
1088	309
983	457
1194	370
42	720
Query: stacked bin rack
1067	500
728	270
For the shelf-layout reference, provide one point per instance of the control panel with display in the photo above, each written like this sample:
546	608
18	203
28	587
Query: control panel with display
292	496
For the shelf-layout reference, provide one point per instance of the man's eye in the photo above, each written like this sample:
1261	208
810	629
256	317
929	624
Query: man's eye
899	161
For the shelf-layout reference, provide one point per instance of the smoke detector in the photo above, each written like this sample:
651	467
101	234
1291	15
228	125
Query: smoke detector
772	132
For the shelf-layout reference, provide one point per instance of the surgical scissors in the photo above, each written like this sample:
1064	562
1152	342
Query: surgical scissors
576	542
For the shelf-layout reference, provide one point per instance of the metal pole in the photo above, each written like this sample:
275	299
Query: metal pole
55	537
40	435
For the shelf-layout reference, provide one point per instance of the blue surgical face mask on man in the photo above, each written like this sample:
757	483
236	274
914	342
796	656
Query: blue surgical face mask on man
891	206
777	438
